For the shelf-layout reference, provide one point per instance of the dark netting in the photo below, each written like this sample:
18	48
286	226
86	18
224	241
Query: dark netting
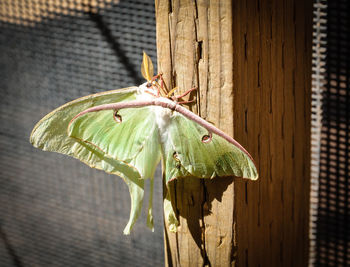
54	210
333	235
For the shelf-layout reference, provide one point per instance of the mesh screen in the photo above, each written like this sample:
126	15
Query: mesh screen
333	234
318	83
54	210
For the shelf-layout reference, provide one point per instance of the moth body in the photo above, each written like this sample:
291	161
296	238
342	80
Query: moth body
145	93
163	119
162	115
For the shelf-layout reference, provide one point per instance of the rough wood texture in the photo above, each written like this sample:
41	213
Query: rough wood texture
272	74
195	49
252	63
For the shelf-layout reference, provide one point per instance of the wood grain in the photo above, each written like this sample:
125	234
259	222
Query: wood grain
251	61
272	63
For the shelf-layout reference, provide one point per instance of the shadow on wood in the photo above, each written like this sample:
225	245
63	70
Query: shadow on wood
193	204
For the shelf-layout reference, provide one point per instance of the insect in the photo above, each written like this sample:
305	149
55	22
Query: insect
128	131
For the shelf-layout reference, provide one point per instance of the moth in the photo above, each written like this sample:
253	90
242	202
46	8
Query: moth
128	131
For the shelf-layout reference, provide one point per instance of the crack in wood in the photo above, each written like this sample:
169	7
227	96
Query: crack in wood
245	47
245	120
203	210
258	73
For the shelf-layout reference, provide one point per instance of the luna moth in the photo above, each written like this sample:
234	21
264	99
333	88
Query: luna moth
128	131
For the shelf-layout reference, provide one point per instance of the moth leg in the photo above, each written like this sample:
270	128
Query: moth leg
187	102
153	82
151	93
156	77
161	81
171	91
161	86
186	93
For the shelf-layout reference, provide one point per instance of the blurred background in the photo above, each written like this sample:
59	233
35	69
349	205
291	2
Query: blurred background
56	211
330	138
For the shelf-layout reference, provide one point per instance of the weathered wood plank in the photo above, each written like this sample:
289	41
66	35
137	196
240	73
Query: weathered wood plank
197	35
251	61
272	78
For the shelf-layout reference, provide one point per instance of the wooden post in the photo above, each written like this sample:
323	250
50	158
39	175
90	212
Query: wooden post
251	61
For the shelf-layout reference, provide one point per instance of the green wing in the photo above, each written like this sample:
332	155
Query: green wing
129	149
185	153
133	141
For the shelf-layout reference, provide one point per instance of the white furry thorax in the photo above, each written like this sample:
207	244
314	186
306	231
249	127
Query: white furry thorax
162	115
